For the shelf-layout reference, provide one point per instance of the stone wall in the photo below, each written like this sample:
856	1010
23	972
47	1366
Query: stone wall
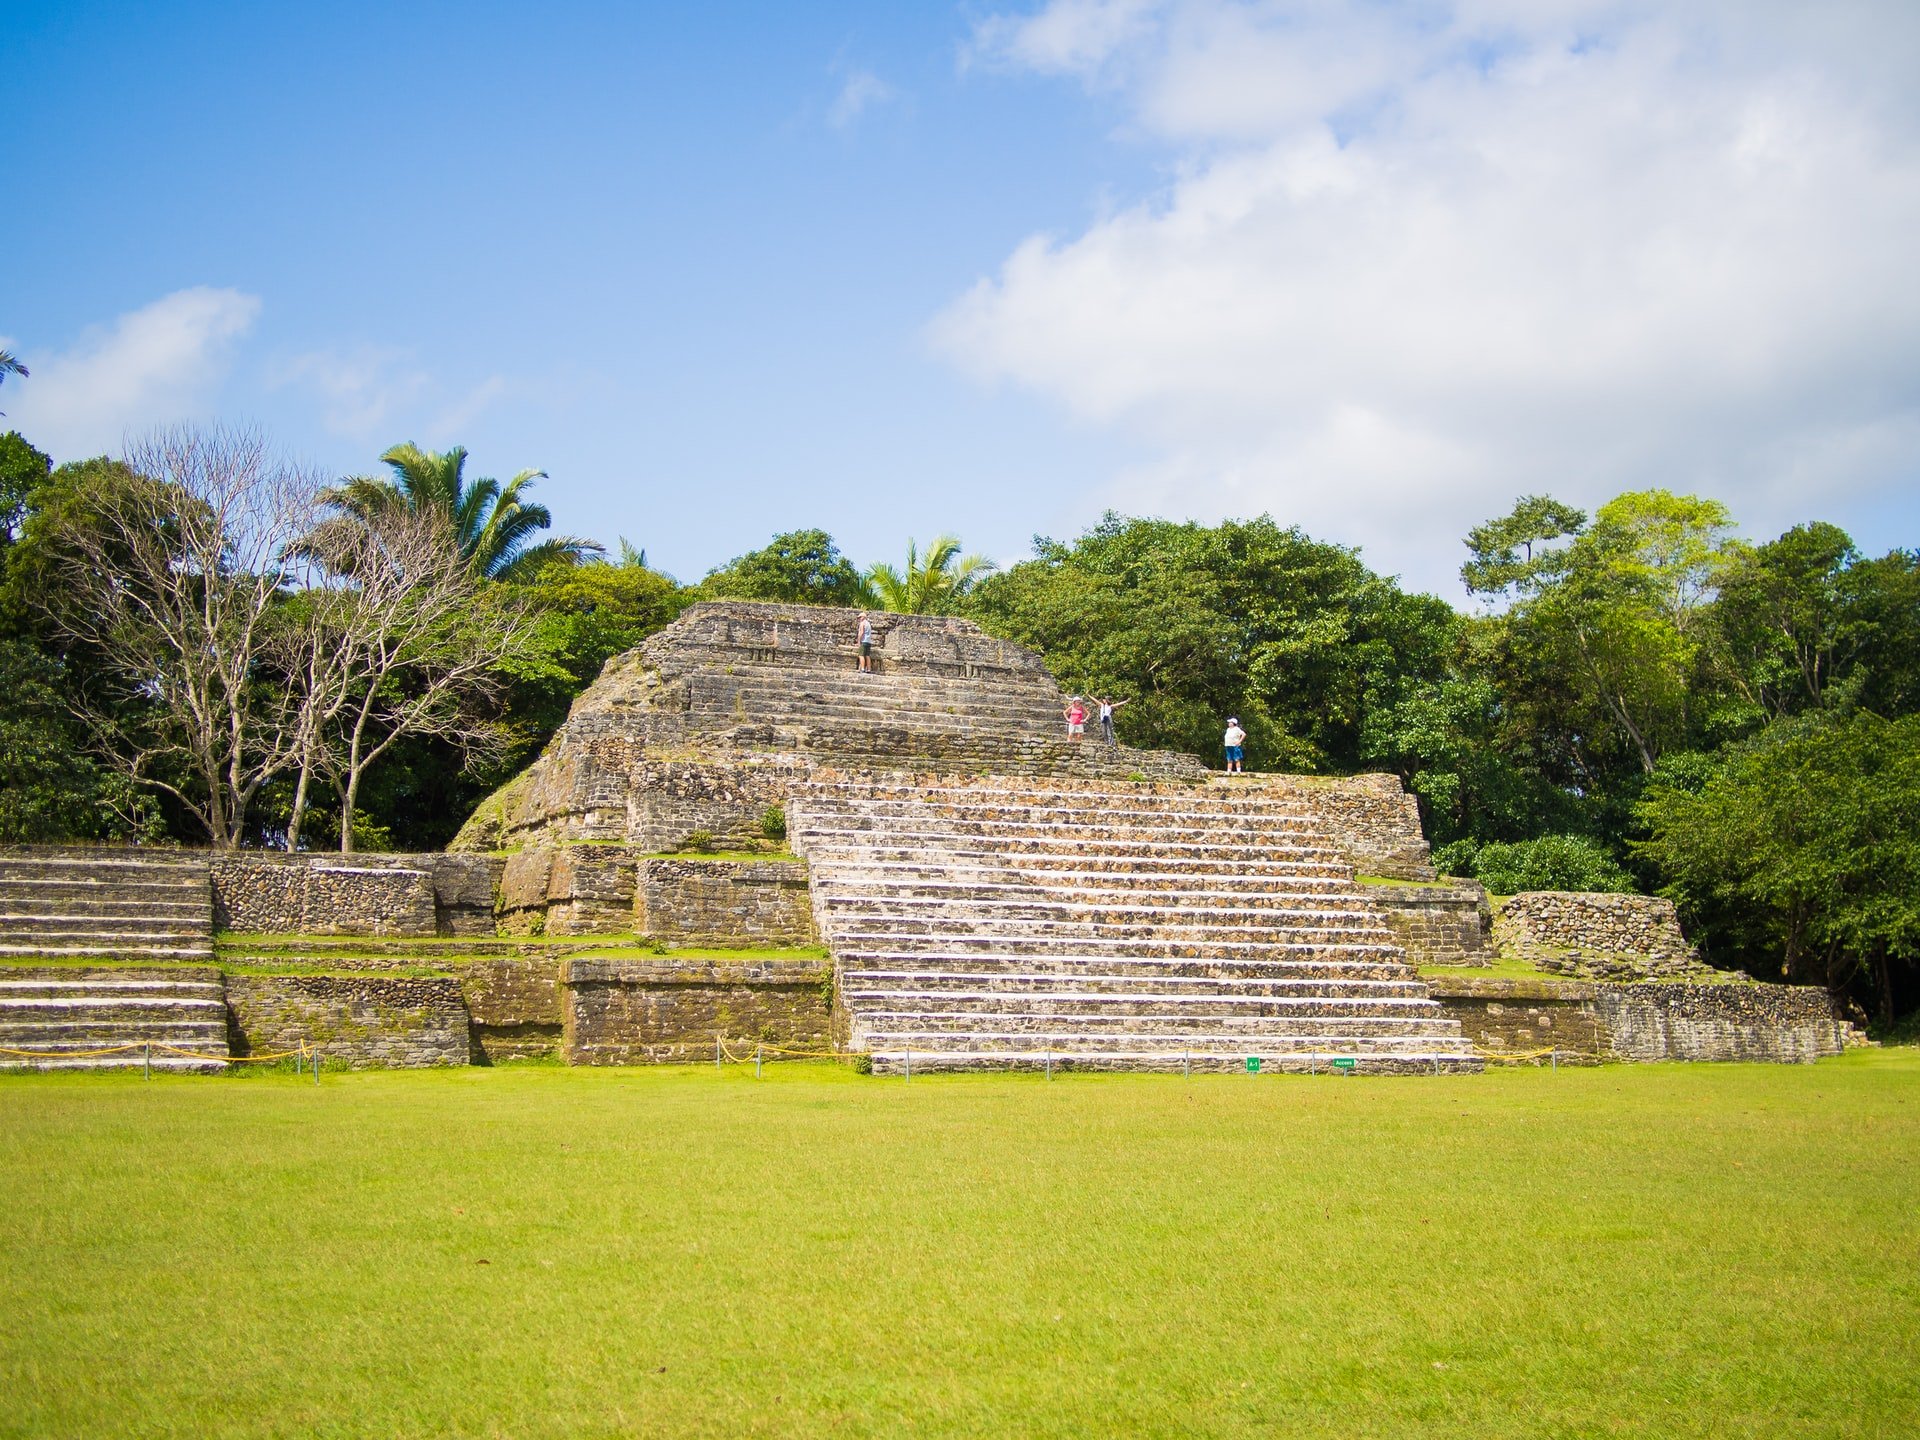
514	1007
569	890
378	894
629	1012
1596	936
1371	818
363	1021
1720	1022
1437	924
725	902
1647	1021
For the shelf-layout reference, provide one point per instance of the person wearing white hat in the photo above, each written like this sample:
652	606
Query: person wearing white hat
1236	745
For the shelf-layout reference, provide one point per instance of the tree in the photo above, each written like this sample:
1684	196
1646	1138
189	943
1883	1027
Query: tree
1620	617
494	525
9	365
932	584
1505	561
801	567
167	568
1800	849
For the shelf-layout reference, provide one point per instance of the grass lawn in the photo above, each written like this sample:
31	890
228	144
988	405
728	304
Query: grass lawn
1634	1250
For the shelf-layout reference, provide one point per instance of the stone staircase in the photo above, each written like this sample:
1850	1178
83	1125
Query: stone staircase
142	1016
106	904
1116	927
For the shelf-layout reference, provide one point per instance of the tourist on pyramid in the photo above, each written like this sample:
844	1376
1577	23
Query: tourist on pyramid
1236	741
866	643
1107	707
1076	719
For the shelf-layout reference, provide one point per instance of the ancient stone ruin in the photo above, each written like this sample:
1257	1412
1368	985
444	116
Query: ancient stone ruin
737	840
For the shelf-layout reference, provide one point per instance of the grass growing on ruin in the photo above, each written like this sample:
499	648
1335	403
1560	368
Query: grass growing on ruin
1673	1250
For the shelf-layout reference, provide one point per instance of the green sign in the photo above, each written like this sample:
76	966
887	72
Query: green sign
1344	1062
1253	1064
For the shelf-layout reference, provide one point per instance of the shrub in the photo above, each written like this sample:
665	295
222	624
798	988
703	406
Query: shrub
1552	862
700	840
773	822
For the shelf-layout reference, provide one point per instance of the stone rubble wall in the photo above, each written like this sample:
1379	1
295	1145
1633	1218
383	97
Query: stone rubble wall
725	902
632	1012
1648	1021
363	1021
1597	936
375	894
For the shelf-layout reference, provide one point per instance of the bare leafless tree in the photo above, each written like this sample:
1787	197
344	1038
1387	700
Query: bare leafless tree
176	570
400	637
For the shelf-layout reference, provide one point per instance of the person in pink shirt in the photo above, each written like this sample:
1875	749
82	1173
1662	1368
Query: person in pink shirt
1076	719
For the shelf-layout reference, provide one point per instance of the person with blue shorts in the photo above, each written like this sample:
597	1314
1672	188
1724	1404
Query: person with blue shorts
1236	746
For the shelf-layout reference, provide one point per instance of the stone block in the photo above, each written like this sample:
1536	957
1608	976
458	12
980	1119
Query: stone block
364	1021
725	902
630	1012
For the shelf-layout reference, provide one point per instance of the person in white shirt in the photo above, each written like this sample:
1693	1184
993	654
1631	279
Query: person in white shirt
1236	743
1107	707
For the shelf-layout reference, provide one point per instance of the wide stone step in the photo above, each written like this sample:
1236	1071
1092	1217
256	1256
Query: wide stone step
1269	896
1080	847
916	860
13	950
986	965
97	928
213	1064
110	1009
1139	1001
852	942
81	887
1200	926
1235	1043
1159	980
32	909
1013	1055
1110	831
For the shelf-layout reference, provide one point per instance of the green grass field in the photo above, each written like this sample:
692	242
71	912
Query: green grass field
1656	1250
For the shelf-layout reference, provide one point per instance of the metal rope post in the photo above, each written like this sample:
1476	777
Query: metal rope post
756	1062
146	1066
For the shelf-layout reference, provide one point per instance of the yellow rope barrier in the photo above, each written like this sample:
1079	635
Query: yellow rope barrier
159	1047
783	1050
1523	1055
73	1054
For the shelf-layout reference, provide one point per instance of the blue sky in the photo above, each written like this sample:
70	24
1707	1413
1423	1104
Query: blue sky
722	270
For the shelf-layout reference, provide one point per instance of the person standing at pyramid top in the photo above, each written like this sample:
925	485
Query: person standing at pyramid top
1236	740
1076	714
866	643
1107	707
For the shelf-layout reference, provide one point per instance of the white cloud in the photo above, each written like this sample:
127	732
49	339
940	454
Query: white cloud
153	366
860	91
1417	261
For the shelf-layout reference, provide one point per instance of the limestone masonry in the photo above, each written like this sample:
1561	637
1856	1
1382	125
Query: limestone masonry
946	881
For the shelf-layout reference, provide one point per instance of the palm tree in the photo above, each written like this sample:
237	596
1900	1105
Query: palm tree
931	584
10	365
494	526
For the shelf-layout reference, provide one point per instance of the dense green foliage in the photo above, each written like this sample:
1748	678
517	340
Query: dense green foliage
684	1251
1804	844
1552	862
803	567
